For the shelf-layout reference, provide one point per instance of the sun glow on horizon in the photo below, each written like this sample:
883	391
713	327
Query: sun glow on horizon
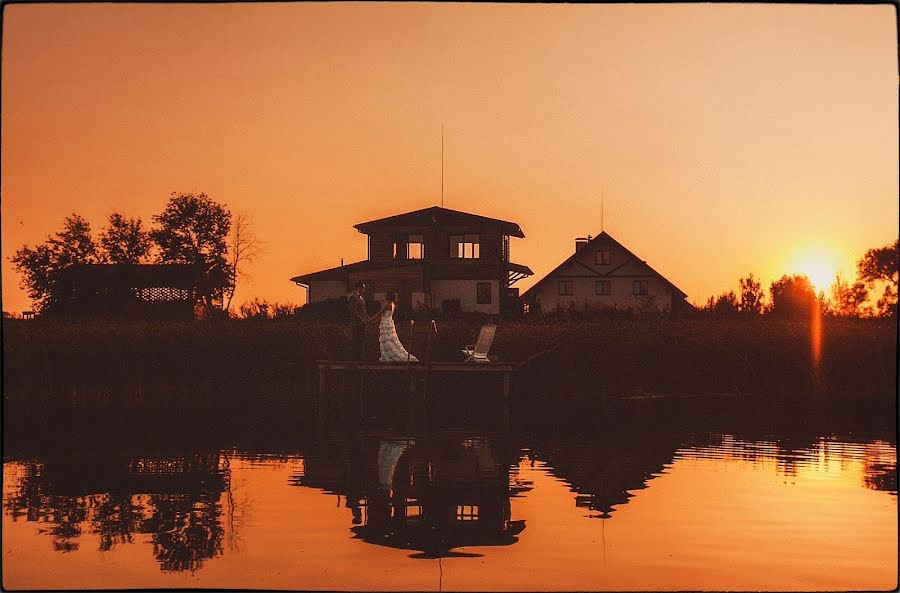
819	264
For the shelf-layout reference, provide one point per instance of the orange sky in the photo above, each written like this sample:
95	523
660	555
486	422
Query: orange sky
729	138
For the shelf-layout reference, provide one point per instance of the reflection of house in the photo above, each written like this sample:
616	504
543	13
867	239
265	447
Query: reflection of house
603	473
433	257
127	290
430	497
603	273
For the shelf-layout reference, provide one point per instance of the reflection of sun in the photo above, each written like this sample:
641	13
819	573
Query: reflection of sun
819	265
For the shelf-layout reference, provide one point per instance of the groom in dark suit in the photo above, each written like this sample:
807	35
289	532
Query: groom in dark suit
359	319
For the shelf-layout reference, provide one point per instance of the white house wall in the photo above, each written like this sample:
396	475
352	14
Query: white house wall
322	290
621	293
465	291
624	271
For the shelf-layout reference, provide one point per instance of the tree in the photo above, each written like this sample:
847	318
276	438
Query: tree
848	300
124	240
880	266
193	229
751	296
245	247
41	265
724	304
793	296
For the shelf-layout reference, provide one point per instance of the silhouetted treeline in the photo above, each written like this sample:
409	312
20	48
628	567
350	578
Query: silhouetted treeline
192	229
872	294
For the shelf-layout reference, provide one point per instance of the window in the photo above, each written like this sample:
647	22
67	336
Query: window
603	257
466	512
465	246
566	287
415	247
603	287
639	287
483	293
409	247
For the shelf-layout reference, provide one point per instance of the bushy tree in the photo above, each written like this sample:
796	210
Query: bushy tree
880	266
124	240
41	265
848	299
193	229
793	296
752	297
722	305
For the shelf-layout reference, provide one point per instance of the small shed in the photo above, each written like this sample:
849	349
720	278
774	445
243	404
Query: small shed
134	291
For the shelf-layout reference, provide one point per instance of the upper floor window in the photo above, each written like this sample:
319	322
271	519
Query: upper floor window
409	247
465	246
603	257
566	287
416	247
639	287
602	287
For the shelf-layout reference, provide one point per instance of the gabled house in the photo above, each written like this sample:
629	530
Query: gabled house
432	258
603	273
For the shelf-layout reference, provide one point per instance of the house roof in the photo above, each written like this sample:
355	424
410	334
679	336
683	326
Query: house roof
518	268
134	275
341	273
440	217
606	237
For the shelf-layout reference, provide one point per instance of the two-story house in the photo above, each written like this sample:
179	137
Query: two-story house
603	273
433	258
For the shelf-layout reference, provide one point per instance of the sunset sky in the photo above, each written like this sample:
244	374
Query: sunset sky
727	138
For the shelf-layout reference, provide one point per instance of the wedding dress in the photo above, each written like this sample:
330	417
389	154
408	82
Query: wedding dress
391	348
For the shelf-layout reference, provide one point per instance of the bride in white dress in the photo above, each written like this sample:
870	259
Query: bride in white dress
391	348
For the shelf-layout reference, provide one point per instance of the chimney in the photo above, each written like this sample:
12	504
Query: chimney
581	242
342	262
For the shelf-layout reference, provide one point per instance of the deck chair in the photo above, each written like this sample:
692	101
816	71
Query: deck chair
479	351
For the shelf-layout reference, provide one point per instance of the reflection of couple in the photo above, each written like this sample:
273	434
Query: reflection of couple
391	348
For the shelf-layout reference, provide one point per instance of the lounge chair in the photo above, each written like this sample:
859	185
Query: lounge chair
479	351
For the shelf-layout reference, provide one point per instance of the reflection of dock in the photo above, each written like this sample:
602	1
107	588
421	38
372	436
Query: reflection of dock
420	377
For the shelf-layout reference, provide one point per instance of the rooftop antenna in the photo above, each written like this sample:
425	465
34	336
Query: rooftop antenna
442	165
602	196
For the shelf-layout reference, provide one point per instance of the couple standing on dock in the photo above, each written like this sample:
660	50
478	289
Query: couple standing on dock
391	348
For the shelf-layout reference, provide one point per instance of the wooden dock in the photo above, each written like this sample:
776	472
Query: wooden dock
415	371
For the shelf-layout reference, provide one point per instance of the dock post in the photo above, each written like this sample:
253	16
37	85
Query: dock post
506	382
321	409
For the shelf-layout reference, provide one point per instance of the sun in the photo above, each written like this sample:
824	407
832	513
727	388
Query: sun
819	265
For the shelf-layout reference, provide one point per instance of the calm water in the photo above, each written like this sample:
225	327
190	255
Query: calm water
460	511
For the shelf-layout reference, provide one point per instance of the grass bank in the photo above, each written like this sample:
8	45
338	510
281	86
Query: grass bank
161	363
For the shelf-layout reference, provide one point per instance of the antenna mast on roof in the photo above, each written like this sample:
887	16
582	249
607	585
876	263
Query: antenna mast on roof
442	165
602	196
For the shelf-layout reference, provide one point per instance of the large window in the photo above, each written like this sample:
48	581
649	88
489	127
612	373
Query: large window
483	293
416	247
566	287
603	287
465	246
409	247
603	257
639	287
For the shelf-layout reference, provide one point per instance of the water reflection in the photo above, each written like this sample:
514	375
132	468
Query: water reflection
174	500
429	494
793	455
455	494
605	471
